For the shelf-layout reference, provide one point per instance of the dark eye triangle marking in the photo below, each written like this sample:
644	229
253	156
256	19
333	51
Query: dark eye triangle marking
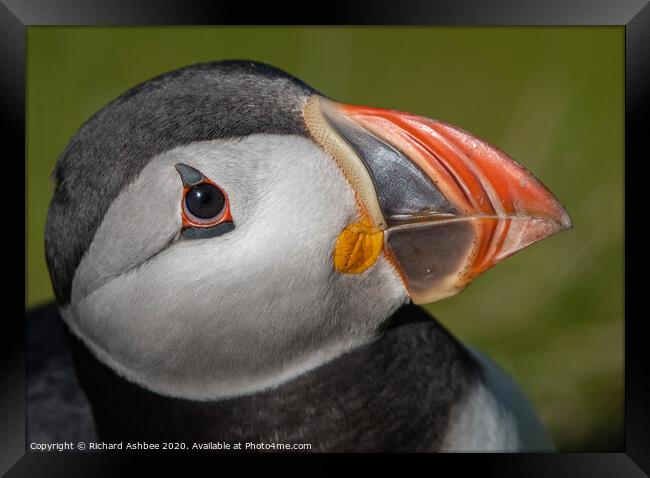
189	175
207	232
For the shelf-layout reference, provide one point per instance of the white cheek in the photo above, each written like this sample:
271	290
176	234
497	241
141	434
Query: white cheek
242	311
140	222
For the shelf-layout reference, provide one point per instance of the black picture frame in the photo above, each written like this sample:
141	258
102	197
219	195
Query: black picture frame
633	15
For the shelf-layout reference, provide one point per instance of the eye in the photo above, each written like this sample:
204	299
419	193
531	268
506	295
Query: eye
205	208
204	201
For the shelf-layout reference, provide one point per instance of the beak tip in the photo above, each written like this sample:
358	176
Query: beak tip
551	226
528	231
563	220
566	223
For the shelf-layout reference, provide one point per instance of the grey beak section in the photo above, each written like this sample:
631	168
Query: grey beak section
404	191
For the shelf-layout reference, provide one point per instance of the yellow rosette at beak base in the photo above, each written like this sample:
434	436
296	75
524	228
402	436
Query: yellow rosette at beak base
358	247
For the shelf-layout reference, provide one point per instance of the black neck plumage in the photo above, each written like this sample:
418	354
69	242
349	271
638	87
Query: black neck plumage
396	393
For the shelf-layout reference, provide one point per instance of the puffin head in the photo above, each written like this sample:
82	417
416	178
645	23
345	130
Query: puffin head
224	227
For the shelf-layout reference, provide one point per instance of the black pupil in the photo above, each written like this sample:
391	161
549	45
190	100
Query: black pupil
205	201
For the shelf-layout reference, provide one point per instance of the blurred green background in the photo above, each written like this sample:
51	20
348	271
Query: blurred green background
552	98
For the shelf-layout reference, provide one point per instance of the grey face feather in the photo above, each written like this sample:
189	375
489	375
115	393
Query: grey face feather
237	313
141	222
198	103
215	316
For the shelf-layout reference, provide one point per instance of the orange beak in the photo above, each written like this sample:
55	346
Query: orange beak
451	205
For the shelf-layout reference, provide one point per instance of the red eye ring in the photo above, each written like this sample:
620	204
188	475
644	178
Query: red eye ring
190	220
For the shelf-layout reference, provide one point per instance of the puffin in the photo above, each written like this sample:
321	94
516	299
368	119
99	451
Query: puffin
239	259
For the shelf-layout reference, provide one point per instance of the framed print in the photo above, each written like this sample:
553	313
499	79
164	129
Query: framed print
315	238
